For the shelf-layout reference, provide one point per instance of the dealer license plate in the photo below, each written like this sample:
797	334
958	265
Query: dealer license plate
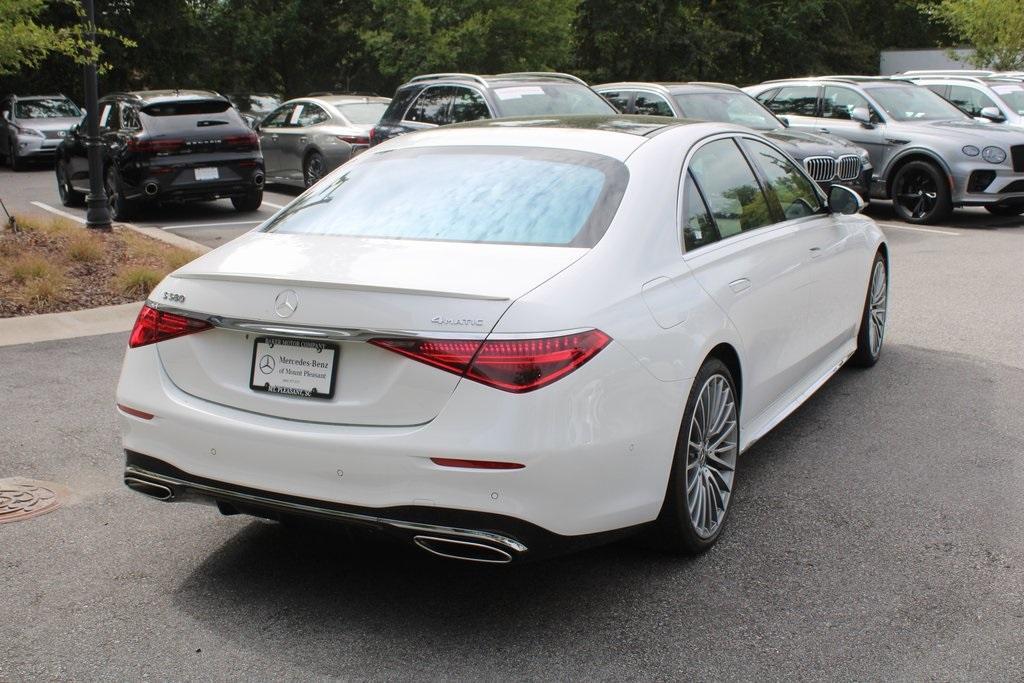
294	367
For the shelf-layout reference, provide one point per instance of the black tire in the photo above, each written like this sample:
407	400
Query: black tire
868	353
921	194
675	530
69	196
313	169
16	162
1008	211
250	201
121	209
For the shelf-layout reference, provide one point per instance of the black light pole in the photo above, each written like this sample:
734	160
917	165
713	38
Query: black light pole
97	215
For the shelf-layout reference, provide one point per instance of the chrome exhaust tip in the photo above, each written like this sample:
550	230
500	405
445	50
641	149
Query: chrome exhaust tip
258	179
149	488
151	189
469	551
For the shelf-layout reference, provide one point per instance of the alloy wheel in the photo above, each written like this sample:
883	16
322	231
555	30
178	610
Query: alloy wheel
711	453
314	169
878	304
62	184
917	194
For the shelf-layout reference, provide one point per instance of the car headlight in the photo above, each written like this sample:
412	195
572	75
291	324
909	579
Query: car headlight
993	155
31	132
971	150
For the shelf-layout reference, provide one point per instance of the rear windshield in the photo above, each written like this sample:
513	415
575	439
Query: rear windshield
549	99
46	108
187	108
186	116
363	112
500	195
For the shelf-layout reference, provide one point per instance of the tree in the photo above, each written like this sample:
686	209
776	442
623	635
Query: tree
995	28
25	42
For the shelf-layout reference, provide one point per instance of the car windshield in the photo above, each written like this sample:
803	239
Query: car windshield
465	194
46	108
728	107
549	99
914	103
1013	95
363	112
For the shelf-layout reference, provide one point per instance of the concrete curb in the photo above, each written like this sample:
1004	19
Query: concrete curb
154	233
30	329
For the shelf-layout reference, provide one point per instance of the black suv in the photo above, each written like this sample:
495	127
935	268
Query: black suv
438	99
166	146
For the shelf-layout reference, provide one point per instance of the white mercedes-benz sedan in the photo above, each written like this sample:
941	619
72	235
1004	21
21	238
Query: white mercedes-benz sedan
503	340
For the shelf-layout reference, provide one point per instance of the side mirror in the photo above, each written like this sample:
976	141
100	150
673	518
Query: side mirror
7	115
862	116
785	120
992	114
843	200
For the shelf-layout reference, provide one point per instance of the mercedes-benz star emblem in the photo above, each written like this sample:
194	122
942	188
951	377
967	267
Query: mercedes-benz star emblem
286	303
267	364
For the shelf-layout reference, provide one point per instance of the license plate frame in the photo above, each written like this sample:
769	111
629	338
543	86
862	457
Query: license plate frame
206	173
291	383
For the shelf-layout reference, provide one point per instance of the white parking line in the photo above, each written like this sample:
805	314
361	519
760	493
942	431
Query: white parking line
183	226
948	233
65	214
276	206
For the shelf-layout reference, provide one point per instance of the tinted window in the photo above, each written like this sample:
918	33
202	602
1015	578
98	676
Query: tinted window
311	115
113	117
187	108
468	105
187	116
913	103
971	100
839	103
46	108
651	105
466	194
363	112
618	99
799	100
728	107
938	89
431	106
279	118
1012	94
730	188
130	118
794	191
549	99
698	227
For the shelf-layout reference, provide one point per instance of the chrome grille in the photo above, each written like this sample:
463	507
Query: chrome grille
54	134
849	167
821	169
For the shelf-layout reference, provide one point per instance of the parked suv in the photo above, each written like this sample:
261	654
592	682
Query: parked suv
829	160
928	156
32	127
438	99
306	138
999	100
166	146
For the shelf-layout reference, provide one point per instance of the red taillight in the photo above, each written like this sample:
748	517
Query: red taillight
154	326
354	139
516	365
477	464
149	146
248	140
372	135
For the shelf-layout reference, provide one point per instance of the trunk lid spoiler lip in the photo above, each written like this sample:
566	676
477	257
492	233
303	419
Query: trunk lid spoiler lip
354	286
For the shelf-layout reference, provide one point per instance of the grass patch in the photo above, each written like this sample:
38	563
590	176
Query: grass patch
138	280
46	290
85	249
29	267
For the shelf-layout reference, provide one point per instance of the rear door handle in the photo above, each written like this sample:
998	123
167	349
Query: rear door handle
274	136
824	130
303	139
739	285
815	252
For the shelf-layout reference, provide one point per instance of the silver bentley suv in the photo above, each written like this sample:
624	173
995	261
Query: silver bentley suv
827	159
928	155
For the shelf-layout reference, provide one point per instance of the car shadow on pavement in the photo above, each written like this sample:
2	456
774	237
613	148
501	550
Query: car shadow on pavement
973	219
858	497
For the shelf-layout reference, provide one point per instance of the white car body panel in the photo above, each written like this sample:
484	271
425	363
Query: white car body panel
597	444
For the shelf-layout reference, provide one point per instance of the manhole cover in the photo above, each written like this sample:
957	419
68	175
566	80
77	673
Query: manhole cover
24	498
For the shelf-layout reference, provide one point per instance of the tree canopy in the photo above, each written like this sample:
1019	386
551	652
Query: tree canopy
995	28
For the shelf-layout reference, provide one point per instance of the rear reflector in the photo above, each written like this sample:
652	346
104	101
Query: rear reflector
134	413
515	365
154	326
477	464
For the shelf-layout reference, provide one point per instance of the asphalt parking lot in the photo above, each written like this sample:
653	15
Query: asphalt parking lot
878	533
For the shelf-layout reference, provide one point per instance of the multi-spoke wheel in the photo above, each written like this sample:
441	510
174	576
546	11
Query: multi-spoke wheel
69	196
121	208
921	193
872	324
703	475
313	169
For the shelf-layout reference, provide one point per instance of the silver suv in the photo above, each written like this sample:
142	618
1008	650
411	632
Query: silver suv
308	137
999	100
32	127
928	155
828	160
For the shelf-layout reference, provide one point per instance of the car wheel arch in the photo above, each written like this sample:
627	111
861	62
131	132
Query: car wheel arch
907	156
730	357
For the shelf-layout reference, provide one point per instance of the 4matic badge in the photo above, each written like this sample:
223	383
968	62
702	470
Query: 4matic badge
464	322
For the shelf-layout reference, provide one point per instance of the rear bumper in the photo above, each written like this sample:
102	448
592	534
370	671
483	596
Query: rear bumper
179	182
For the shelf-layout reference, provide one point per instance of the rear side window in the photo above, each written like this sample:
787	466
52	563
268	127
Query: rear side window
431	106
798	100
652	105
732	192
618	98
311	115
971	100
466	194
468	105
698	226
